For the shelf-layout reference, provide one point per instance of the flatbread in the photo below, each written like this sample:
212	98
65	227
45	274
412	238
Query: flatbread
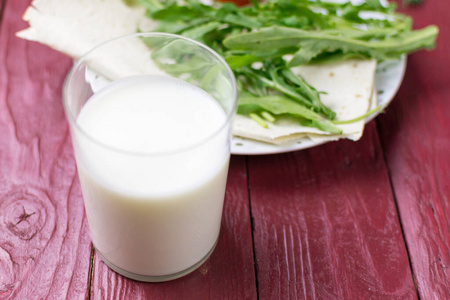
348	91
75	27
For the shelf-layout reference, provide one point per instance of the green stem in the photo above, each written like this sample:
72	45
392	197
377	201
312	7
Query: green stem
266	115
370	112
258	120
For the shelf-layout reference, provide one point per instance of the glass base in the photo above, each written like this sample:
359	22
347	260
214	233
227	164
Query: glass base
147	278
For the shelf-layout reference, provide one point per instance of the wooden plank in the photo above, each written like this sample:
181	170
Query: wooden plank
415	134
44	241
326	225
227	274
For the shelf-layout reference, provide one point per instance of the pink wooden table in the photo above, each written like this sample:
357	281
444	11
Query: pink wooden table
345	220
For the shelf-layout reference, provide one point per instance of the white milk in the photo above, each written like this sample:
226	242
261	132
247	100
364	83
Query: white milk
153	209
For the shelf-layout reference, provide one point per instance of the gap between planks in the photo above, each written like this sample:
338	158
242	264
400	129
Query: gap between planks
383	148
252	226
91	271
2	9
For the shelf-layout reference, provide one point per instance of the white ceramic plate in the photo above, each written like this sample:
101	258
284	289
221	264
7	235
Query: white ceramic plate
388	78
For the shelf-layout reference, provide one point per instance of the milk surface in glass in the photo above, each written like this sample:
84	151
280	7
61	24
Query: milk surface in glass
152	155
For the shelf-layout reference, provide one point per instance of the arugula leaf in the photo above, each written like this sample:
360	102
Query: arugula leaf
310	44
281	105
198	32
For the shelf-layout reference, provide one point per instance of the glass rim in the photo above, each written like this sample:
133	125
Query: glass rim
73	123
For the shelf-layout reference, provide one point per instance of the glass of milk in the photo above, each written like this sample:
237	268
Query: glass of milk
150	117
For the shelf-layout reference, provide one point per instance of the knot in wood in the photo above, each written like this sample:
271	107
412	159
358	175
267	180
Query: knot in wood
23	213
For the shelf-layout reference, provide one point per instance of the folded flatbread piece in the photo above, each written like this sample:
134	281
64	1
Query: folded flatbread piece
76	26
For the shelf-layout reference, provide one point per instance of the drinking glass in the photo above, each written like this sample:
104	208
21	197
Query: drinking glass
154	193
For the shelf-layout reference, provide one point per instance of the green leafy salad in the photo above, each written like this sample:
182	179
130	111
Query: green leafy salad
262	42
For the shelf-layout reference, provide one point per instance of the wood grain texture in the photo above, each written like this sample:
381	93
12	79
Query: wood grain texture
44	241
326	226
227	274
415	134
